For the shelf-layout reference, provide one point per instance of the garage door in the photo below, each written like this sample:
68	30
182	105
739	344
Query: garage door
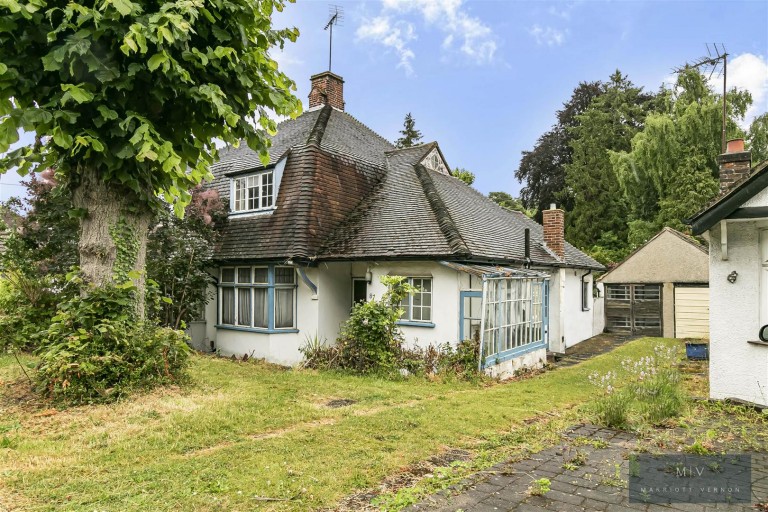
691	312
633	308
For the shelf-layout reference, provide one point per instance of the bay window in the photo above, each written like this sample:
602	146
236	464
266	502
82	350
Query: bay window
258	297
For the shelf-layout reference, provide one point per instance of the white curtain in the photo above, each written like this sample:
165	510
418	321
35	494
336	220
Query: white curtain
283	308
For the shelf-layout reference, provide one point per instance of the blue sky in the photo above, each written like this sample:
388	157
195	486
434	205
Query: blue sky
484	78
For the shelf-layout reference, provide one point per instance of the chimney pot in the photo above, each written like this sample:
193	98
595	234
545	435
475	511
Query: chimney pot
327	89
552	206
554	230
734	146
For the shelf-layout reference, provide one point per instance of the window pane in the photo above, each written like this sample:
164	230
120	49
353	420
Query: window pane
285	275
260	311
260	275
266	190
228	306
283	308
239	194
244	275
227	275
244	306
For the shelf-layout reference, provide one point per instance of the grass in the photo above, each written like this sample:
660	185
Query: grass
245	436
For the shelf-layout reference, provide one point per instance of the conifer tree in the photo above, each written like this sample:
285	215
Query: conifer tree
410	135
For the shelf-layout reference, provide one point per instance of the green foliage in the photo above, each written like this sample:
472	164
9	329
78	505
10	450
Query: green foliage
543	168
178	253
464	175
540	487
370	339
506	200
139	90
26	307
95	350
671	171
608	124
410	136
758	138
644	391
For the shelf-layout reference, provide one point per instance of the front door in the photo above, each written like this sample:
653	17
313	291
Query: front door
470	316
359	291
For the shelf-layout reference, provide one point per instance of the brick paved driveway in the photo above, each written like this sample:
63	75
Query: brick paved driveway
594	479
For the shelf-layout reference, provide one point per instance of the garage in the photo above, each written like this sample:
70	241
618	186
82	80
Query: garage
661	289
691	311
633	308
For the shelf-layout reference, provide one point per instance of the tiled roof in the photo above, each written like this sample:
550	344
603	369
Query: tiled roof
346	193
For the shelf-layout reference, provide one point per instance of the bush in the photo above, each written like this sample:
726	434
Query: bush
26	307
94	350
370	342
645	391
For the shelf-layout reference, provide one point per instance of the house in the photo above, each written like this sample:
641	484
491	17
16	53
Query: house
661	289
337	207
736	225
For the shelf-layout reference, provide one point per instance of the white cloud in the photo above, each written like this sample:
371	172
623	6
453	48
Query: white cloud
392	34
748	71
467	33
548	36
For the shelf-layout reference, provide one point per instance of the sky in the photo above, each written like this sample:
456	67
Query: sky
485	78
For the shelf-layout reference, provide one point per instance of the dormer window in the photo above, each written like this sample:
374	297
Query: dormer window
253	192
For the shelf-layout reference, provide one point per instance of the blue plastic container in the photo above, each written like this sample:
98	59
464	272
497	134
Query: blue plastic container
698	351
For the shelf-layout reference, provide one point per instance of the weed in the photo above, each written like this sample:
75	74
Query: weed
540	487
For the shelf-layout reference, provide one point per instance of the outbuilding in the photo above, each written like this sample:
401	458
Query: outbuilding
661	289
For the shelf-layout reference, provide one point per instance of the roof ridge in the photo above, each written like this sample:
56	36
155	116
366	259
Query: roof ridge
364	126
444	220
318	130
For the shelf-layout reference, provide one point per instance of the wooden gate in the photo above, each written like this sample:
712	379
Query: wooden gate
633	308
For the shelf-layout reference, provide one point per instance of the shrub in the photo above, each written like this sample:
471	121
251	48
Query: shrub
95	351
26	307
647	390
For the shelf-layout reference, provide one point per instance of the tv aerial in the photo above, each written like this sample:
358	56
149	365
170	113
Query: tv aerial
336	13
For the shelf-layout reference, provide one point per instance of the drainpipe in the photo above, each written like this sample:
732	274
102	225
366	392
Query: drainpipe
312	286
527	264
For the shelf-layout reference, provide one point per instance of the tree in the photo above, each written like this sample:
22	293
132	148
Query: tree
126	100
506	201
671	170
410	135
464	175
543	168
758	138
608	124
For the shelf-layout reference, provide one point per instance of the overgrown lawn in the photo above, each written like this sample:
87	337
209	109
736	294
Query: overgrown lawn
246	436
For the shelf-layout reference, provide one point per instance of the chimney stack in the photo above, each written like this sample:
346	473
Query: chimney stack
554	230
735	164
327	89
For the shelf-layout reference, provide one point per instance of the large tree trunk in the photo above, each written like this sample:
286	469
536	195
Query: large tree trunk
113	234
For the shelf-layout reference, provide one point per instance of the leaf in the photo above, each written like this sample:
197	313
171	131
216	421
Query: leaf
8	134
156	61
106	112
167	300
124	7
75	92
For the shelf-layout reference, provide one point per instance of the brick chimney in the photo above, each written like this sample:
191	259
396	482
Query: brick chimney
327	89
554	230
735	164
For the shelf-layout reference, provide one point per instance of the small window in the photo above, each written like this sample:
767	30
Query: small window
254	192
617	292
586	292
418	306
647	292
359	291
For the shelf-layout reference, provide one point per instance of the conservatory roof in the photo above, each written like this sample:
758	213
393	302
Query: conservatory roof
493	271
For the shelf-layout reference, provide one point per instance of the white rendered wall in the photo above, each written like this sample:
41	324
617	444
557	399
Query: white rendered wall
335	299
737	369
445	298
578	324
598	311
506	369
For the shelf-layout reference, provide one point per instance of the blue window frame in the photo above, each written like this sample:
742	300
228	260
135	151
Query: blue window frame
260	298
